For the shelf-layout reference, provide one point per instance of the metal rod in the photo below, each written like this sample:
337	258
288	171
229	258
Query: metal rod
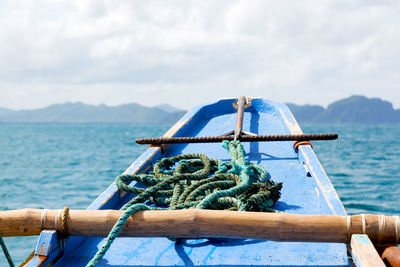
242	138
239	119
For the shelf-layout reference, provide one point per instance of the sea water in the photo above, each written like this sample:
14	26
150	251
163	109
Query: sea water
54	165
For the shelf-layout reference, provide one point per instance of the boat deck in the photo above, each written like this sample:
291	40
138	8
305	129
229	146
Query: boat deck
306	190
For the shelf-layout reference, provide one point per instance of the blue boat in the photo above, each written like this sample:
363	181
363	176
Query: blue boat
306	190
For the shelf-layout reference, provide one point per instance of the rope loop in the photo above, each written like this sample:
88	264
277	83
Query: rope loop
64	224
61	222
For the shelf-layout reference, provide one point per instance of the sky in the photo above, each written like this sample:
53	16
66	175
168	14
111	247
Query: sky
188	52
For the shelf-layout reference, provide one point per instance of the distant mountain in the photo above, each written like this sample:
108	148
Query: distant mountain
355	109
84	113
306	113
4	113
168	108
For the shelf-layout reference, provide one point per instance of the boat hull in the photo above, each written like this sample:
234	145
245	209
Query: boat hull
306	190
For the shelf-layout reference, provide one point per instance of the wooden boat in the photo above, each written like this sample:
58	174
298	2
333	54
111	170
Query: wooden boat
306	190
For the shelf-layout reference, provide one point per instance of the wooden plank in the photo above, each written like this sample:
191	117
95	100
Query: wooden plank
364	253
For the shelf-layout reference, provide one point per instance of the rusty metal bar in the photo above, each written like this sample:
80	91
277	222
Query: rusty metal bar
242	138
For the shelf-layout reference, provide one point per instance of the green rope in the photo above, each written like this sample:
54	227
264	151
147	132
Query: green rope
195	181
5	251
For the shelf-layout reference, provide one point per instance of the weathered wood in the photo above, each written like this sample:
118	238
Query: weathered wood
391	256
196	223
364	253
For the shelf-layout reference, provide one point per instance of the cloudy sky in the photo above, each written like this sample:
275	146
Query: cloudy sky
188	52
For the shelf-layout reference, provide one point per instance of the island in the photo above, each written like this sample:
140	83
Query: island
83	113
354	109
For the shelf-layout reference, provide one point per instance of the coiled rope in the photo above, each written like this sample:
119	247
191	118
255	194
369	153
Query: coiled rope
195	181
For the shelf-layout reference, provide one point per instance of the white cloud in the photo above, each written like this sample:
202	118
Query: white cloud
187	52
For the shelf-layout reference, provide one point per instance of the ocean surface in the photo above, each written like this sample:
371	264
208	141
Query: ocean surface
54	165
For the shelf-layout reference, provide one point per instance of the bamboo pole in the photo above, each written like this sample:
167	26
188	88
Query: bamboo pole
194	223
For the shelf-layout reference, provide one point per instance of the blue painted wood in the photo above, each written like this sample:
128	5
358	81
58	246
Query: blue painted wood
301	194
359	254
47	249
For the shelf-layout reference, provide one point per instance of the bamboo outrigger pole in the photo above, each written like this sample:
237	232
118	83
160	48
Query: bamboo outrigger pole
196	223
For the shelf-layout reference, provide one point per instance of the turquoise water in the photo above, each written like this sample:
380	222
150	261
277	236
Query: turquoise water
363	165
54	165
